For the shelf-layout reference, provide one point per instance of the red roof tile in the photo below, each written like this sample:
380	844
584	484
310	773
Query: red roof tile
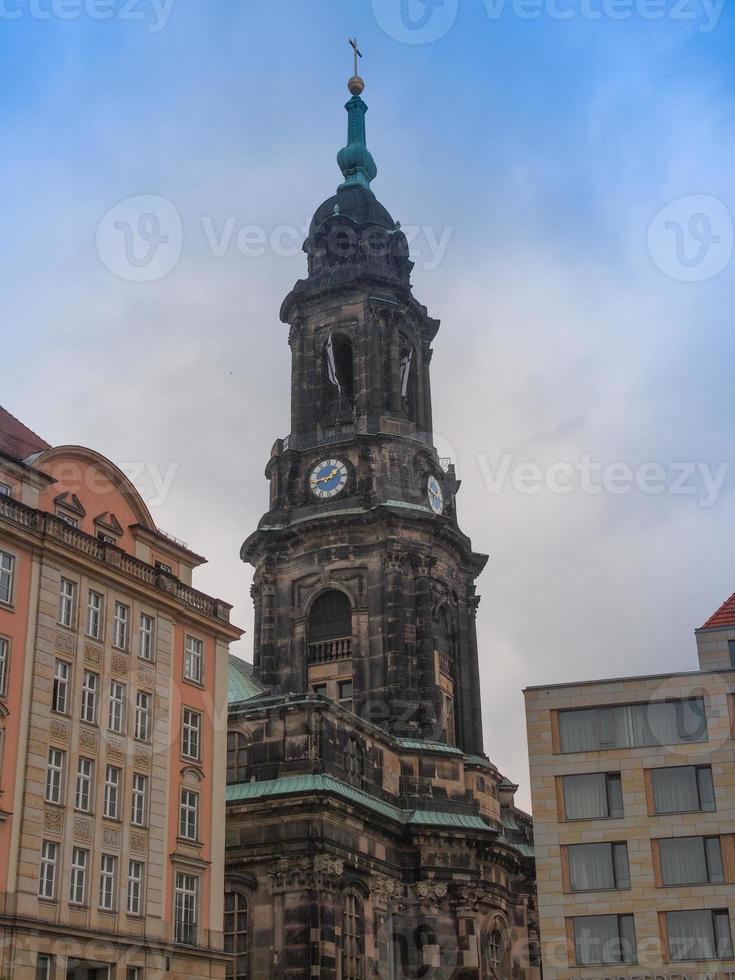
725	615
16	439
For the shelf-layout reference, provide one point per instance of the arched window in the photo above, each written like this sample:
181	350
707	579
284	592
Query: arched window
494	951
338	385
409	369
330	628
353	938
237	937
237	757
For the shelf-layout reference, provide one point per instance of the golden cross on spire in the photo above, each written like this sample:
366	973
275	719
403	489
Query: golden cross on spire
358	53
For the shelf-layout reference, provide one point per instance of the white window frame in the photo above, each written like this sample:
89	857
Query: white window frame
191	732
121	625
193	659
4	665
44	966
67	602
6	490
78	879
146	636
55	775
7	578
84	784
60	688
95	614
108	882
116	708
143	702
139	806
188	814
136	887
47	870
113	784
90	688
186	907
68	519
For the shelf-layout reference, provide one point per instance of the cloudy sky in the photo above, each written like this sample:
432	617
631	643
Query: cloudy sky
567	171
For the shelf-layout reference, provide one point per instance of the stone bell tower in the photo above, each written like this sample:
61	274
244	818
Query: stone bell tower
365	585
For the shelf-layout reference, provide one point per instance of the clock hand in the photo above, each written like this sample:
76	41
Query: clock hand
328	477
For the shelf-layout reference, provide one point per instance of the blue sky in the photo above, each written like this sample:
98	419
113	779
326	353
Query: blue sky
541	150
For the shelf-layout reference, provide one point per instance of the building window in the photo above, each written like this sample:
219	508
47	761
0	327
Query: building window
344	693
330	628
237	936
191	734
55	776
44	967
6	490
134	973
116	712
701	934
679	789
112	793
89	697
161	566
593	796
353	938
633	725
142	716
193	651
120	626
106	538
140	800
78	882
237	757
4	659
145	637
598	866
189	815
355	759
600	939
495	951
690	860
185	908
135	888
108	879
95	604
47	871
7	576
67	519
60	692
83	794
67	593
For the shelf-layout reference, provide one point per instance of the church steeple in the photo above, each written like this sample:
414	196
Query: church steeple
355	160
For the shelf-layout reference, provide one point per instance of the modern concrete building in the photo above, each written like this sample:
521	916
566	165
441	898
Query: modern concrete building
113	689
633	789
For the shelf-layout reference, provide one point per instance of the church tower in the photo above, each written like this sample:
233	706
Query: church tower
368	835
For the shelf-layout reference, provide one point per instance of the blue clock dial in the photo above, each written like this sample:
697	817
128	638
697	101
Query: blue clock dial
435	495
328	478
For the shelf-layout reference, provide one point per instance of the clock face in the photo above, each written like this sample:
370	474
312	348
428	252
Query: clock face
435	495
328	478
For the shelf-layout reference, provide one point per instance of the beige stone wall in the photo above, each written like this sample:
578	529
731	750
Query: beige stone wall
644	899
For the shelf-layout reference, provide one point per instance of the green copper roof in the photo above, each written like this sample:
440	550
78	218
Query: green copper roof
355	160
241	685
425	746
320	783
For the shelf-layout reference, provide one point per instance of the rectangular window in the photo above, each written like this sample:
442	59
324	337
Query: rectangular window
185	908
44	966
67	519
6	490
146	637
699	935
344	692
163	567
120	626
134	973
47	871
140	800
116	712
7	576
142	716
191	734
135	888
4	660
95	603
85	781
89	697
600	939
67	594
108	879
595	867
55	776
678	789
690	860
60	694
189	815
193	651
112	793
592	796
633	725
78	882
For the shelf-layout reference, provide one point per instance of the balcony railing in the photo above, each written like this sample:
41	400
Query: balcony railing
48	525
327	650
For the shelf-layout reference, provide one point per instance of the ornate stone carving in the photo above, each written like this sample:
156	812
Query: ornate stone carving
424	565
385	888
93	654
146	676
329	866
393	563
116	751
64	642
120	665
142	759
138	842
59	730
88	740
111	836
53	821
83	829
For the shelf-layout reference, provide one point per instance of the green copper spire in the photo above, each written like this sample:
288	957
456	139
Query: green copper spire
355	160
